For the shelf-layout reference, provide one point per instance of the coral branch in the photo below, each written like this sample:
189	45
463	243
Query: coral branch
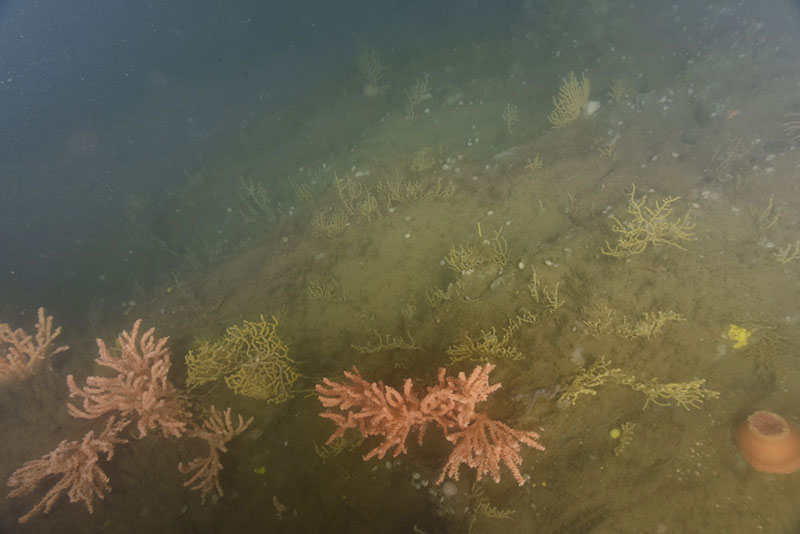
216	431
382	410
141	386
76	462
484	445
22	354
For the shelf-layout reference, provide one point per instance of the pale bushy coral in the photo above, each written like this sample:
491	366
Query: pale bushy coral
568	104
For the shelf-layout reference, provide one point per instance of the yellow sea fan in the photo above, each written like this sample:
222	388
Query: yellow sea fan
261	362
253	359
206	363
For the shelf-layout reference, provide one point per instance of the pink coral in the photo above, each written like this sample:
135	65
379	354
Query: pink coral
76	463
216	431
375	409
22	354
141	386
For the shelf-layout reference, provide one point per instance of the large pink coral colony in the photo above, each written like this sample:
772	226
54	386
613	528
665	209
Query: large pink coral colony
141	386
376	409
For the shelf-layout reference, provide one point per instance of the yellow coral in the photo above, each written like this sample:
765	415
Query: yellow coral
687	395
369	66
649	325
263	368
648	226
535	163
489	345
625	436
253	359
464	259
621	89
423	161
572	97
207	363
510	115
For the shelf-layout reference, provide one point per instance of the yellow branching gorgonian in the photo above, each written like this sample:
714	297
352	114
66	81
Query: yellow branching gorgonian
206	363
648	226
253	359
687	395
572	97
